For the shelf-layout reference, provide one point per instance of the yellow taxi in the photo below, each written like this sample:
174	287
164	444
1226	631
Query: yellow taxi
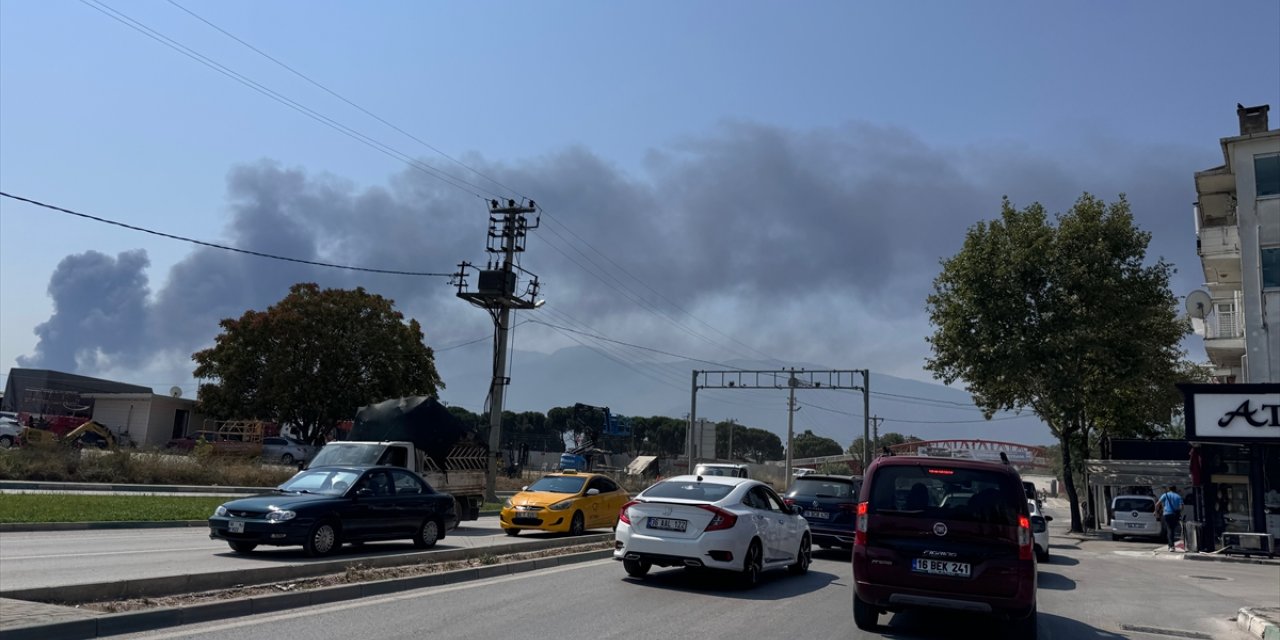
566	502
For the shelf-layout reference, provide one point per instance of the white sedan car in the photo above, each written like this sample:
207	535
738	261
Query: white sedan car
716	522
1039	531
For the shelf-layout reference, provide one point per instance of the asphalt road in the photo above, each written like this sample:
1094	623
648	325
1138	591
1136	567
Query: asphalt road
59	558
1084	595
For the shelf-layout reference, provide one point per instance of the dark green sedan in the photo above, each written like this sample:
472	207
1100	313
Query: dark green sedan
324	507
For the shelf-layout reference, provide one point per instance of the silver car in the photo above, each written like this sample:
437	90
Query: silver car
10	433
286	450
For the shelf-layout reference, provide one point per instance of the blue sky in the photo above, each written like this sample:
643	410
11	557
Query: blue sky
788	173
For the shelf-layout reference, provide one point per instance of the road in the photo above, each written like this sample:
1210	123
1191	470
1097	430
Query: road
60	558
1084	595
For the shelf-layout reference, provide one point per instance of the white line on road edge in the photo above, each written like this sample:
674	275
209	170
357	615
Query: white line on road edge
101	553
373	601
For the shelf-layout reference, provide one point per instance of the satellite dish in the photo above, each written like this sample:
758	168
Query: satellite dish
175	391
1198	304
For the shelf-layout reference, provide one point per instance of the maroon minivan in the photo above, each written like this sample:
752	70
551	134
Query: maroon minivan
944	533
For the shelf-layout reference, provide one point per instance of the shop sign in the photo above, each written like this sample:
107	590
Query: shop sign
1233	412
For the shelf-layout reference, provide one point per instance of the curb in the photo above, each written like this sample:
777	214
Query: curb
1208	557
1259	626
195	583
150	620
79	526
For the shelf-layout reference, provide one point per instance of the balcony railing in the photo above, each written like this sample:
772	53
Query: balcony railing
1217	241
1226	318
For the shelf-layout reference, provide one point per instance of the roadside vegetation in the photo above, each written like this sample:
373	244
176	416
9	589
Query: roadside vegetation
56	463
61	507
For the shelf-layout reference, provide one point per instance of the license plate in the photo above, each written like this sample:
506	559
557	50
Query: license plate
236	526
940	567
821	515
1135	525
668	524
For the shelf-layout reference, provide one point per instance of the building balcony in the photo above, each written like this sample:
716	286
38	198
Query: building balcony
1219	250
1223	331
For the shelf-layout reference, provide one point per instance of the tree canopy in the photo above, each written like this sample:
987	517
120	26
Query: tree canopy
811	445
1069	320
313	358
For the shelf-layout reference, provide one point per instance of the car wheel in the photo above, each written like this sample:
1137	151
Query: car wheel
1023	628
578	525
322	540
428	534
239	546
1042	555
752	564
803	557
865	616
6	442
636	568
511	532
1115	537
286	459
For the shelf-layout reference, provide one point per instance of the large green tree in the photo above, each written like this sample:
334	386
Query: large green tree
313	358
811	445
1069	320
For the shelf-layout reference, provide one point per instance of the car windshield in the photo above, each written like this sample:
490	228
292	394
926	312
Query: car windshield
822	488
1135	504
347	454
973	495
322	481
558	484
686	490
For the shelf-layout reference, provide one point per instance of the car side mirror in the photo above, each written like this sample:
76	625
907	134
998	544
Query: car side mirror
593	492
797	509
524	488
1048	518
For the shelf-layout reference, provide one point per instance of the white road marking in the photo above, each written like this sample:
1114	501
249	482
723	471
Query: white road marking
101	553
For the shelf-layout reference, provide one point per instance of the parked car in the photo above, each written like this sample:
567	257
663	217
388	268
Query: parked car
1135	516
714	522
568	502
830	504
287	450
323	507
10	433
1039	530
716	469
910	551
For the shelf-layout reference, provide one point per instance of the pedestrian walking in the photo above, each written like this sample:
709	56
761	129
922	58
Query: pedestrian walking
1170	506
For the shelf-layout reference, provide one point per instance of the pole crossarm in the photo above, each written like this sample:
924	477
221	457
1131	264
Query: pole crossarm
778	379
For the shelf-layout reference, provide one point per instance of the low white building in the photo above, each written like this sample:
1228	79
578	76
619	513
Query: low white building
146	419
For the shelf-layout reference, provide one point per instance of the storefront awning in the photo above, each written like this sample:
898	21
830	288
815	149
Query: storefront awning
1138	473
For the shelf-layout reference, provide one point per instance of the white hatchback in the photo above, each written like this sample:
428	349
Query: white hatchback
1039	531
714	522
1135	516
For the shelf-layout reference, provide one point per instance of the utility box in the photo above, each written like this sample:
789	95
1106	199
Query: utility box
1248	544
497	282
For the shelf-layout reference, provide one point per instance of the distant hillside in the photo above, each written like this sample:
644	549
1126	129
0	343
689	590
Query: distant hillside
579	374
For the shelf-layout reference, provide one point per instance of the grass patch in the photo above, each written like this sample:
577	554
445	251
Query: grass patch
136	466
43	507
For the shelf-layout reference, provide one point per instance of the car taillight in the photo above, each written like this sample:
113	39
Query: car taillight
720	518
851	507
622	513
860	531
789	501
1024	538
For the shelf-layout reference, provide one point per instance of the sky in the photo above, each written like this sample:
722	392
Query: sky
750	180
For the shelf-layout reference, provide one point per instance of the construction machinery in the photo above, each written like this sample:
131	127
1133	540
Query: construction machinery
88	434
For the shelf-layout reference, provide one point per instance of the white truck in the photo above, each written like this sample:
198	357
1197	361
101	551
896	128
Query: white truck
463	474
417	433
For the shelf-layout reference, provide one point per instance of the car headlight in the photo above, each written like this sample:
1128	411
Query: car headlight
220	511
562	505
281	515
508	503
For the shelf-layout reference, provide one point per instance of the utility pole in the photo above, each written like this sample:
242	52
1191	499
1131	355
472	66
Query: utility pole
496	293
875	433
792	383
733	424
866	417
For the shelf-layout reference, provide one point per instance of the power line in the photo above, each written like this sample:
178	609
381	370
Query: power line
633	346
345	99
224	247
278	97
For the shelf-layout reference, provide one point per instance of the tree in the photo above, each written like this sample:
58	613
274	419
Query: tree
888	439
313	359
1068	321
812	445
758	444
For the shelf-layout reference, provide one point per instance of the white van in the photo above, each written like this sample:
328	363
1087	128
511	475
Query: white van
1135	516
729	470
